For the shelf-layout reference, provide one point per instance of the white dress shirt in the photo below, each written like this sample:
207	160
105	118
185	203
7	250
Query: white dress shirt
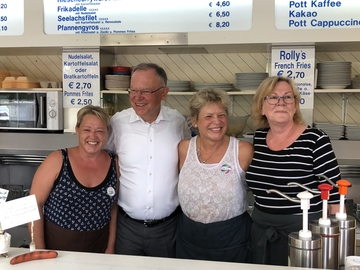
148	160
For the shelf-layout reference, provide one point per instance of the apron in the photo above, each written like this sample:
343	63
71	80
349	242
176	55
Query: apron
227	241
269	236
58	238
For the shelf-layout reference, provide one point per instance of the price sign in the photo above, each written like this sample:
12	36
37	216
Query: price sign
144	16
11	17
296	63
317	14
81	79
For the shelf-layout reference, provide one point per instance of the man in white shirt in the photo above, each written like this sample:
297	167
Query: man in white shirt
145	137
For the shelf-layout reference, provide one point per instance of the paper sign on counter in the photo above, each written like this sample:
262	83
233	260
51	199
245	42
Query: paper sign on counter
3	195
19	211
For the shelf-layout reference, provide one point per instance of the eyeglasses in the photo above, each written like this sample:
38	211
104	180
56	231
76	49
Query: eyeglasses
144	92
273	100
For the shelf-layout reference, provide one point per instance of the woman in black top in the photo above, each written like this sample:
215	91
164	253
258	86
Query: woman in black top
286	151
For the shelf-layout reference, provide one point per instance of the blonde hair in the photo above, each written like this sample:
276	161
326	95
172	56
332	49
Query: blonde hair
204	97
265	89
93	110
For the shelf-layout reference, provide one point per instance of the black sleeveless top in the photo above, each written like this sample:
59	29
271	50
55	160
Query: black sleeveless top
74	213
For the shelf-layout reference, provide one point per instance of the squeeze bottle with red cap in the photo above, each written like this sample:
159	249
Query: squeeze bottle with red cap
329	231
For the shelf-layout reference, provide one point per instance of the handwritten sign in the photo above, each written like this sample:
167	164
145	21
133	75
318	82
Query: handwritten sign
19	211
3	195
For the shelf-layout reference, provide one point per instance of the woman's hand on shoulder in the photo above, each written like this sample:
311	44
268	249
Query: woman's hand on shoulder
246	153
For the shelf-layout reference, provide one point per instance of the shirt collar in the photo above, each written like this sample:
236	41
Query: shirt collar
161	117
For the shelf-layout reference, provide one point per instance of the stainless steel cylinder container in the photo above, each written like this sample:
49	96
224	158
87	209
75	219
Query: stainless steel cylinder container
305	252
347	240
330	242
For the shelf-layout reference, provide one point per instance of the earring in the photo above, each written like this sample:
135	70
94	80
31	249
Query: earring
195	126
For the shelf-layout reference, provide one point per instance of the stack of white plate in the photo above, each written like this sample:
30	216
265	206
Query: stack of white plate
221	86
114	82
352	132
249	80
334	131
334	74
178	86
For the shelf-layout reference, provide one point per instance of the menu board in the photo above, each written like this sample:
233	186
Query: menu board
11	17
144	16
81	79
297	63
317	14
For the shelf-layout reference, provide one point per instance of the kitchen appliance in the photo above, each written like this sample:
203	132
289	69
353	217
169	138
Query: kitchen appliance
305	248
31	110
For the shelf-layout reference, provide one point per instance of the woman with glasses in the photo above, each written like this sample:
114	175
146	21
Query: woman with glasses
146	137
286	151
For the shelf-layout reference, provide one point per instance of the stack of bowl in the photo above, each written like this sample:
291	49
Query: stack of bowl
236	125
121	70
355	82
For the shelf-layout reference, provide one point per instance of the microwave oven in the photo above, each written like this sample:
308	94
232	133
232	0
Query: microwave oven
31	110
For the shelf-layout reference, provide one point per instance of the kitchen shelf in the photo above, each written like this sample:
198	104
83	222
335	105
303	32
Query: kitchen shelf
19	90
327	91
189	93
235	93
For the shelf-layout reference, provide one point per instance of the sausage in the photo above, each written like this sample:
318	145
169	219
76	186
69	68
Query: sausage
35	255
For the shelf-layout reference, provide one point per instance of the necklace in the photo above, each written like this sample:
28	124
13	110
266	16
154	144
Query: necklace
198	152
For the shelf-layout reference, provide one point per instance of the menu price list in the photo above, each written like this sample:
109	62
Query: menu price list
143	16
317	14
11	17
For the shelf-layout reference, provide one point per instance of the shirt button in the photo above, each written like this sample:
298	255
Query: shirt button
149	191
150	174
150	140
150	157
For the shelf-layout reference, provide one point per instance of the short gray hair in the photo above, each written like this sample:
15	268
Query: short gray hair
206	96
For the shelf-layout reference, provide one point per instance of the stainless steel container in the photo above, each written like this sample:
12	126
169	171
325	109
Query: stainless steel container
305	252
330	242
347	238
